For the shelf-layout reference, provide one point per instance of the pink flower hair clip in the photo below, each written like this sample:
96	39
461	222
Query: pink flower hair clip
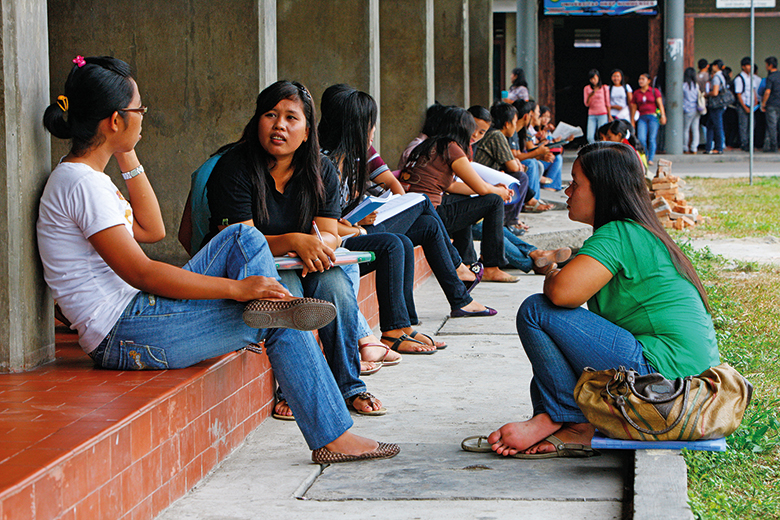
80	61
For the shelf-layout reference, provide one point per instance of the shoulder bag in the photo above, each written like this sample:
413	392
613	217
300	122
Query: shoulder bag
724	98
701	101
624	405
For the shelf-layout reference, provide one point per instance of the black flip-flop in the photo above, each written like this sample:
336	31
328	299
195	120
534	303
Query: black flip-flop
415	333
405	337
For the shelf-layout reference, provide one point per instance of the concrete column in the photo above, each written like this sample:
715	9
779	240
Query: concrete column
343	50
481	52
451	47
674	24
26	307
266	42
199	64
527	47
406	71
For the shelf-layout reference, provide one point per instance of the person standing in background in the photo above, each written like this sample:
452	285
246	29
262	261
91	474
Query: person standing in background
770	104
690	111
596	98
745	88
619	96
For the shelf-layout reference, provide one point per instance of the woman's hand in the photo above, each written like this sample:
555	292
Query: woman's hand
575	283
315	254
369	219
662	120
259	288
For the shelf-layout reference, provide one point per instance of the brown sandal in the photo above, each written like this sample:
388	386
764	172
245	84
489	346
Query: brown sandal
383	451
365	396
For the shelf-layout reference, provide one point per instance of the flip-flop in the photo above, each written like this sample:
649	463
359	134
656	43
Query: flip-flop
415	333
366	397
405	337
562	450
387	351
280	416
370	371
477	444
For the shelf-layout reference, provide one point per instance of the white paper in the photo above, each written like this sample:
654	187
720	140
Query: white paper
494	177
564	130
396	204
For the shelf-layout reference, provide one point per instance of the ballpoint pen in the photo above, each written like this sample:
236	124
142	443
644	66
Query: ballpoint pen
319	235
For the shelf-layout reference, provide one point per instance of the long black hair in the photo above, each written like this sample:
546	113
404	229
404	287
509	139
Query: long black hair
617	181
96	87
306	160
689	77
595	72
456	124
519	78
347	117
625	131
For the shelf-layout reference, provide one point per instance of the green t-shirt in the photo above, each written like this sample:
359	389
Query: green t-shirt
648	297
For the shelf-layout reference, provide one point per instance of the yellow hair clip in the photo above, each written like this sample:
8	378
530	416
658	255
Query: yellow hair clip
62	101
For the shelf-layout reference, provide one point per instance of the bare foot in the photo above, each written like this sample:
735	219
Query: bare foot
366	405
494	274
465	274
474	306
412	345
574	433
514	437
374	351
351	444
369	367
543	258
282	408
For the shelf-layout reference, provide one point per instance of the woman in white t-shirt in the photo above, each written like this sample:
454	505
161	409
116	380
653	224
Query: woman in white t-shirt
620	95
134	313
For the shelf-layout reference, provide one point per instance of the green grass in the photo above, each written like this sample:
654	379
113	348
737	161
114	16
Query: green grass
736	208
743	483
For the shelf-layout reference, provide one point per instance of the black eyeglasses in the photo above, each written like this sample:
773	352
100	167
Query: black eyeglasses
141	110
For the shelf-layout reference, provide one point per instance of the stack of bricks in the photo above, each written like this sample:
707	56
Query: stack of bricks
669	202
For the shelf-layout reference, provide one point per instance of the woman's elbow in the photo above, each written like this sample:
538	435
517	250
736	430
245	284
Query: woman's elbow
560	297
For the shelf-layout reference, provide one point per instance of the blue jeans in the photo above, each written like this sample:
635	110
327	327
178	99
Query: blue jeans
716	136
516	249
340	336
160	333
353	273
394	265
594	123
560	343
535	171
423	226
554	171
646	132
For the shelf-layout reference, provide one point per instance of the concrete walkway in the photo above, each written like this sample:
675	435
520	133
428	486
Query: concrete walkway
474	386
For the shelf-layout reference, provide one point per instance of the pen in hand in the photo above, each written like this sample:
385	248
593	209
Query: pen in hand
319	235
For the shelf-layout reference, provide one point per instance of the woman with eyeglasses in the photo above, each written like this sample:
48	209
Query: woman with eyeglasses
134	313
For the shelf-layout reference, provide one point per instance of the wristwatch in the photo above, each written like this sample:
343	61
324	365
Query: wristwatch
135	172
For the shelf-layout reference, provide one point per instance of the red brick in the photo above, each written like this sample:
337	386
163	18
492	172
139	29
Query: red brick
111	499
142	511
193	473
141	436
152	472
121	450
132	486
170	462
161	499
48	495
88	508
19	506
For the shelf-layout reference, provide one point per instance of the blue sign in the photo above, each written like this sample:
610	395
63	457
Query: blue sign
600	7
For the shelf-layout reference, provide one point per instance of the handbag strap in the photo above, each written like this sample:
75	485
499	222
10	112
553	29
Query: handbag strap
621	404
631	379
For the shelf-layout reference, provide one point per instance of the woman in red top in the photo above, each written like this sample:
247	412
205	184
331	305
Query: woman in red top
596	98
647	100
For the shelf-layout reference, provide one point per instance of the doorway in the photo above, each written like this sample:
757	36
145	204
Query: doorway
622	44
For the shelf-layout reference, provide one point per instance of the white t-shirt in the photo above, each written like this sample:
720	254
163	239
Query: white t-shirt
77	203
619	96
739	87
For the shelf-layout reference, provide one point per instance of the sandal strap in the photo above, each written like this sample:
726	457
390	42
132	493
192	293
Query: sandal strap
400	339
387	350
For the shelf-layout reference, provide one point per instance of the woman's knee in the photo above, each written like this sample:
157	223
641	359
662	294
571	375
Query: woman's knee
495	201
530	310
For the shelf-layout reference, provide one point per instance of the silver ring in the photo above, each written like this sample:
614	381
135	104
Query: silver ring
317	260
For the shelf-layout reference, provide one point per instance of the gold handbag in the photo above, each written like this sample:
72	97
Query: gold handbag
624	405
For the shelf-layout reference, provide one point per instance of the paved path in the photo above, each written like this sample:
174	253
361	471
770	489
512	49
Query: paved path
478	383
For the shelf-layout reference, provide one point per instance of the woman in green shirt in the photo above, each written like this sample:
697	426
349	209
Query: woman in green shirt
647	308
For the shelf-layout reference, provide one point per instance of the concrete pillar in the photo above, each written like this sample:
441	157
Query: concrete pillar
527	46
451	47
481	52
406	71
675	67
343	50
200	65
266	16
26	307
